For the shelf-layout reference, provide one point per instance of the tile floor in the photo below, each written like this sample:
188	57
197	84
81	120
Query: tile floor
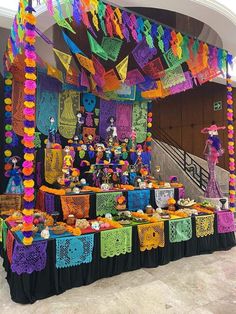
196	285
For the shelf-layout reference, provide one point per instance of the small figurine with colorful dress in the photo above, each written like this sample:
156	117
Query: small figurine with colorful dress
68	160
15	184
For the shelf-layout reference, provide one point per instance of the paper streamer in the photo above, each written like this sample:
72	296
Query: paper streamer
69	105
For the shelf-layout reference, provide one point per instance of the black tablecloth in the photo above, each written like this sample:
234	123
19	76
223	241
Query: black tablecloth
27	288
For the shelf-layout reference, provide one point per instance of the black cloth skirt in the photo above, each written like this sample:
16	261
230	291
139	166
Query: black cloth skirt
27	288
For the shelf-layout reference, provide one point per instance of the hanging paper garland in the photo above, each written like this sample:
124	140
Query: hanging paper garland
8	117
231	142
29	129
149	126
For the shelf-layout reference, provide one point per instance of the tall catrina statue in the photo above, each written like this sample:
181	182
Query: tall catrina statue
79	125
15	184
212	151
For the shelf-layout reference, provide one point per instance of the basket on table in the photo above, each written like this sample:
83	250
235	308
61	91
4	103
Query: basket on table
10	201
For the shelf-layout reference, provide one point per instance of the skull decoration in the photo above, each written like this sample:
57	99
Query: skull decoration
89	102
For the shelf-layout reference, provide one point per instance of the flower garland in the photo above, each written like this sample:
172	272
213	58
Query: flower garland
149	125
29	124
8	119
230	113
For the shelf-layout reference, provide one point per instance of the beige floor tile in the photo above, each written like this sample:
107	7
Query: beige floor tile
203	284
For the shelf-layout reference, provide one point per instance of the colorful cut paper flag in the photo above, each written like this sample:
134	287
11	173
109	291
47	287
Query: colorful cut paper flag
86	63
64	58
71	44
51	71
122	68
112	47
96	48
61	21
111	81
173	77
134	77
84	79
154	69
143	53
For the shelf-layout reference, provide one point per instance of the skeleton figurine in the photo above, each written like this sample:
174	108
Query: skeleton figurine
79	125
111	131
51	133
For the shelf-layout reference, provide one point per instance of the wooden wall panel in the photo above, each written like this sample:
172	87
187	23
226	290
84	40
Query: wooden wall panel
183	116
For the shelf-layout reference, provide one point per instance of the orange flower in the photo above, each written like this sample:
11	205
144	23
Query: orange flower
29	17
7	167
171	201
27	227
30	117
29	198
29	91
27	171
8	108
52	191
29	144
120	199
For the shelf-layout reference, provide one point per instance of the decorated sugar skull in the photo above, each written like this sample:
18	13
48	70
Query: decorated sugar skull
108	216
83	182
95	225
84	147
89	102
76	190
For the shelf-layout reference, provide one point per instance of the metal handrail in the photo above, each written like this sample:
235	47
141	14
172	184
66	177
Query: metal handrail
184	160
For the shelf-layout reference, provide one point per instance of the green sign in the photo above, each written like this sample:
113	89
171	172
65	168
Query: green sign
217	105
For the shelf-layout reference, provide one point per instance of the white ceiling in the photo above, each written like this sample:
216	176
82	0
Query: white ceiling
220	15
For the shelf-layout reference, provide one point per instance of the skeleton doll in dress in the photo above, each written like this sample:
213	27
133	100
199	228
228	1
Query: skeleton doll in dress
212	151
111	131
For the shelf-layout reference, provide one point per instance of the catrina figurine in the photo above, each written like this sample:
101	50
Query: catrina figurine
15	184
111	131
79	125
51	133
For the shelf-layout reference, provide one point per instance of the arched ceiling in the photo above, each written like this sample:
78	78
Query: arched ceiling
220	15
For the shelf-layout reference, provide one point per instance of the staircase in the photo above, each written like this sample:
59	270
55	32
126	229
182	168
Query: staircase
192	171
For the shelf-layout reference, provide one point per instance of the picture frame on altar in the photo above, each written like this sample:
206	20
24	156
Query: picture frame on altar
162	196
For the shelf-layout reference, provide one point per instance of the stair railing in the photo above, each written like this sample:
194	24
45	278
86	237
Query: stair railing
184	160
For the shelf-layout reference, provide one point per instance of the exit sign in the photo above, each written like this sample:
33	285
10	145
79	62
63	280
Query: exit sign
217	105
